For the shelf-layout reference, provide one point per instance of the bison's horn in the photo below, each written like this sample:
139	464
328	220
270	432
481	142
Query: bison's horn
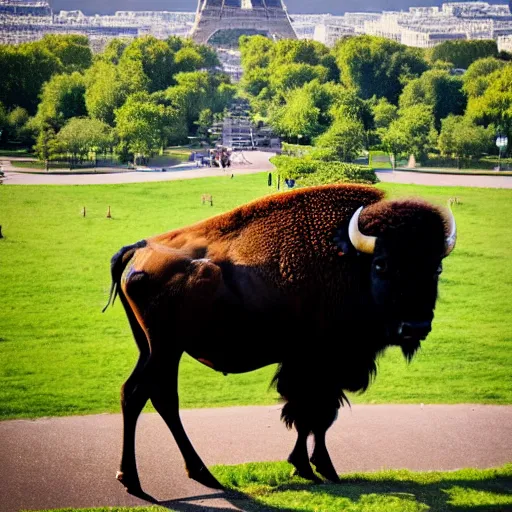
363	243
449	243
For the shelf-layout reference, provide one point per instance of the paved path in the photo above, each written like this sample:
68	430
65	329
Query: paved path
257	161
445	180
71	462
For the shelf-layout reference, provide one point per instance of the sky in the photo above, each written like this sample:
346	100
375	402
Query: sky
294	6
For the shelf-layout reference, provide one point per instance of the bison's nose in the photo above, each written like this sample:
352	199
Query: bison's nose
416	330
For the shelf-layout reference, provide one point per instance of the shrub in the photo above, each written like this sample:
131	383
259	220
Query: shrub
307	171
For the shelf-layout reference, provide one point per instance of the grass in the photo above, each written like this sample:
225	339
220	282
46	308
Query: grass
270	487
59	355
35	164
16	152
379	160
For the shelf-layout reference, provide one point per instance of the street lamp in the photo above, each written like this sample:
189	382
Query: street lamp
501	142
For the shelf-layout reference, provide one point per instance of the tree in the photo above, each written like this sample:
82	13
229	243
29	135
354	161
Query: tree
437	89
72	50
255	52
476	78
46	147
299	116
24	70
384	113
413	132
204	122
17	122
143	125
494	106
298	51
464	52
81	136
375	66
113	51
62	98
157	61
292	76
107	89
346	136
4	123
187	59
461	138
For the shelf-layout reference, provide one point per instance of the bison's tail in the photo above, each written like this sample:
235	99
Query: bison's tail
117	265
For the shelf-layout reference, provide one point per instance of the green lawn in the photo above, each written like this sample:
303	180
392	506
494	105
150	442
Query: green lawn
59	355
270	487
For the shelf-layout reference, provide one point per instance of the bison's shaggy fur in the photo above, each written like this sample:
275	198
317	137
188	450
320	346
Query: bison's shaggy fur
279	280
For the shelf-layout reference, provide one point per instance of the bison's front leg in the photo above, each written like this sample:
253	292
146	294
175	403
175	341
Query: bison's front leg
164	396
299	456
321	459
323	419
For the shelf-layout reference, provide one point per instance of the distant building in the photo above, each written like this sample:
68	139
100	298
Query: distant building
25	20
425	27
505	43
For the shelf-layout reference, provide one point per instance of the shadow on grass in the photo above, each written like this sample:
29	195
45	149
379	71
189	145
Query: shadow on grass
361	494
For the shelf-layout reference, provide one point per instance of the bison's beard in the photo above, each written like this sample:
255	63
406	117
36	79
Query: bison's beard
409	348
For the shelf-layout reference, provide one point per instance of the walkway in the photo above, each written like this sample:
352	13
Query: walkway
256	161
249	162
71	462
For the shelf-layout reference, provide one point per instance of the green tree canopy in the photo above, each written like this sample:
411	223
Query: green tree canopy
255	52
375	66
476	78
298	51
24	70
295	75
113	51
143	125
464	52
108	86
63	97
299	116
384	113
17	121
83	135
345	136
413	132
494	106
157	61
459	137
4	123
72	50
437	89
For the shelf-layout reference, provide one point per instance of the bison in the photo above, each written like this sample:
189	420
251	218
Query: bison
318	281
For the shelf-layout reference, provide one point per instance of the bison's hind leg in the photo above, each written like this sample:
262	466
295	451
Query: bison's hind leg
134	395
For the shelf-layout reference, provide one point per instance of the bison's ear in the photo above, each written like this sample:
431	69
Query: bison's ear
342	240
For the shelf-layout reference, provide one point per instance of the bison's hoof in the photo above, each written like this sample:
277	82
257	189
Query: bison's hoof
307	475
204	477
326	469
132	485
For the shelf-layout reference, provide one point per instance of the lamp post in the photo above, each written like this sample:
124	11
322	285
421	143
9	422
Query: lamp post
501	142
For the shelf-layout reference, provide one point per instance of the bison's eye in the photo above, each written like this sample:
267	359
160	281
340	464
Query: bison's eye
439	269
381	267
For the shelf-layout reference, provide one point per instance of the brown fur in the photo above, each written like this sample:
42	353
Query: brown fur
271	282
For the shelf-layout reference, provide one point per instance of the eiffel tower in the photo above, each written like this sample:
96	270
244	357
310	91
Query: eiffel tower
256	16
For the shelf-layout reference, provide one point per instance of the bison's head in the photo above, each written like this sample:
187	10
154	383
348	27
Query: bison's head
406	242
